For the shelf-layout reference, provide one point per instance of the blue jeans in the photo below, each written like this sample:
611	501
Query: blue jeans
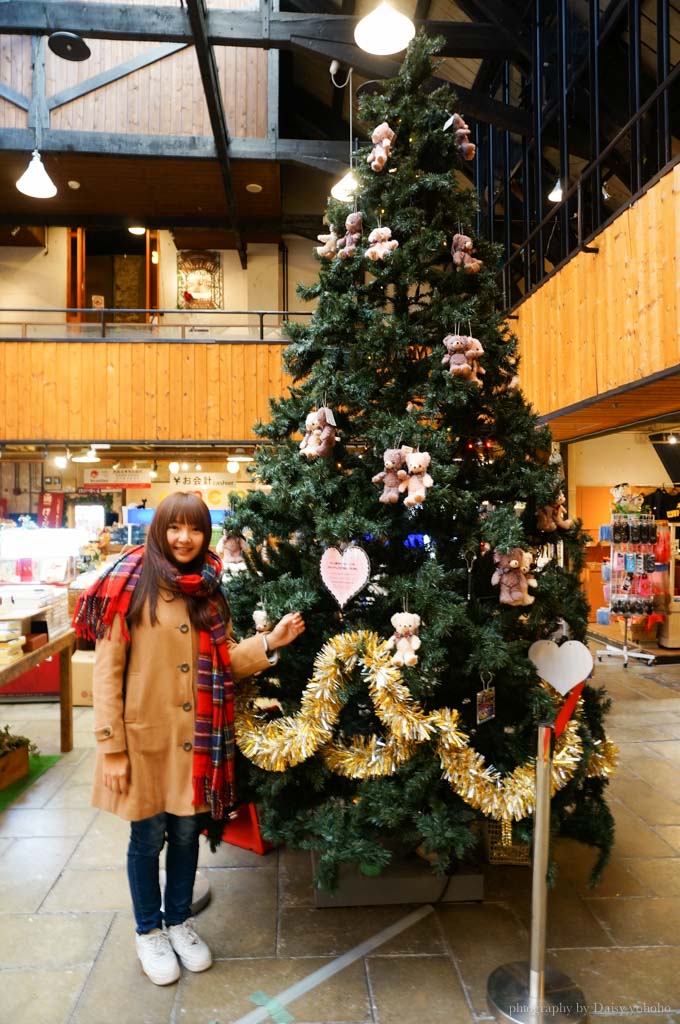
147	838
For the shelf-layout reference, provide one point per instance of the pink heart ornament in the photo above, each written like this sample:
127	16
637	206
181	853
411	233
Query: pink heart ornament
564	667
345	573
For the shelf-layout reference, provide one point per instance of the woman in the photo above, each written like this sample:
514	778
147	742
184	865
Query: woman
163	715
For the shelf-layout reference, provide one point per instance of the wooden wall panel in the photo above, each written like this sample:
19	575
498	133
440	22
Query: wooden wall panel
136	391
609	318
166	96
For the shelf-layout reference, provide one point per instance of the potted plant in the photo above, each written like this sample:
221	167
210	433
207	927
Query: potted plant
14	751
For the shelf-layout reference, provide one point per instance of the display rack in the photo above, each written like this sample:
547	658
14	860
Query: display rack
633	536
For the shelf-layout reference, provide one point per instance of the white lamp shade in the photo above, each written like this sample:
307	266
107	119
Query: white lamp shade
345	189
35	181
384	31
556	195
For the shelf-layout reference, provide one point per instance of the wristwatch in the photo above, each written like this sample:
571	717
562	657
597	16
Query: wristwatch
272	656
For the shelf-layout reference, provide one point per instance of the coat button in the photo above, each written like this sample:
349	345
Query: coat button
184	667
186	706
187	746
184	628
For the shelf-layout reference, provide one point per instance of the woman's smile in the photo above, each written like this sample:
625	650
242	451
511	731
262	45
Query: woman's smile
185	542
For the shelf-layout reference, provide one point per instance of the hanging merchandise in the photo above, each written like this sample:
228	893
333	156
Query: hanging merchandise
382	139
552	517
462	357
513	575
405	639
461	134
486	700
462	248
320	434
380	244
329	248
416	481
394	459
347	245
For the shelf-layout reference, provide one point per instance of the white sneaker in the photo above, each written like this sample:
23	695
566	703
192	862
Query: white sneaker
158	960
192	950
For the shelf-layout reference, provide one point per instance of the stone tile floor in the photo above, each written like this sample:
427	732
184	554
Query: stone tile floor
66	934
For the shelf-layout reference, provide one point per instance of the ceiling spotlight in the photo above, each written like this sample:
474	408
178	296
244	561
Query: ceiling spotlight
254	187
61	461
556	195
137	230
232	466
68	45
15	231
173	467
384	31
153	472
184	466
198	467
606	194
240	456
672	439
75	185
35	181
115	466
87	456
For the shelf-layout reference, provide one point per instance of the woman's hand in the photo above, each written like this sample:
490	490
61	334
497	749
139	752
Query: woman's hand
116	772
285	631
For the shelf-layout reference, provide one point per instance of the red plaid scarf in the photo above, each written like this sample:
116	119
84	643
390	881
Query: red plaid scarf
214	743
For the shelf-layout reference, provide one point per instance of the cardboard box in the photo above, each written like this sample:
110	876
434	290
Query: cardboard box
82	668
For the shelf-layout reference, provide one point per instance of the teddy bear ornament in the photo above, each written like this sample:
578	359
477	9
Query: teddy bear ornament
382	139
320	434
513	574
405	639
394	460
415	479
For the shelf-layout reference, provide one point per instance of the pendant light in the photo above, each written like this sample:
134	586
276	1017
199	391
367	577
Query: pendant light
556	195
345	189
384	31
35	181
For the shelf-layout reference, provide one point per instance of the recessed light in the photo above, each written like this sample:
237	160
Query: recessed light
75	185
253	187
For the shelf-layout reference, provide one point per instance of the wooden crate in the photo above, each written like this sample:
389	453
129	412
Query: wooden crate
13	766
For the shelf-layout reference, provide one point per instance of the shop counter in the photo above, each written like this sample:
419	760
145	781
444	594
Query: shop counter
63	646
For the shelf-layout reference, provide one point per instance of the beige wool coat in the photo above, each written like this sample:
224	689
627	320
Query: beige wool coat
147	708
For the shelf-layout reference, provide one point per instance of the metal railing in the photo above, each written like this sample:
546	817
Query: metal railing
580	214
172	326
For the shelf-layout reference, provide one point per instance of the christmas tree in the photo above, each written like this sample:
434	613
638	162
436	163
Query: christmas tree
423	489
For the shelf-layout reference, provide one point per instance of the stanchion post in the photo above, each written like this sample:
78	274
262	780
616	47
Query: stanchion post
527	993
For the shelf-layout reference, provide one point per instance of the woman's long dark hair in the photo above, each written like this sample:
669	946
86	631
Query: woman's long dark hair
176	508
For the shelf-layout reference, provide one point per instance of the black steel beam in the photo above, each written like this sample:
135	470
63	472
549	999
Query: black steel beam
198	17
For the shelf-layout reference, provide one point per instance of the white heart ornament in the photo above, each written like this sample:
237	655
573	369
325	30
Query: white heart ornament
564	667
345	573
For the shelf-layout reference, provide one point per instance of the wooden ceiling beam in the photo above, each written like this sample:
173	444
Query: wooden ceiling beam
326	155
232	28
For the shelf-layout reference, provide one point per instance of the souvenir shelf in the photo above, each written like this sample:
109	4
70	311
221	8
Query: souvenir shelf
633	537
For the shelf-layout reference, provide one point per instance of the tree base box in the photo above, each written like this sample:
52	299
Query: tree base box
406	880
13	766
82	669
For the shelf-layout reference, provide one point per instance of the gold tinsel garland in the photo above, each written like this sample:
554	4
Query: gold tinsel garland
287	741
